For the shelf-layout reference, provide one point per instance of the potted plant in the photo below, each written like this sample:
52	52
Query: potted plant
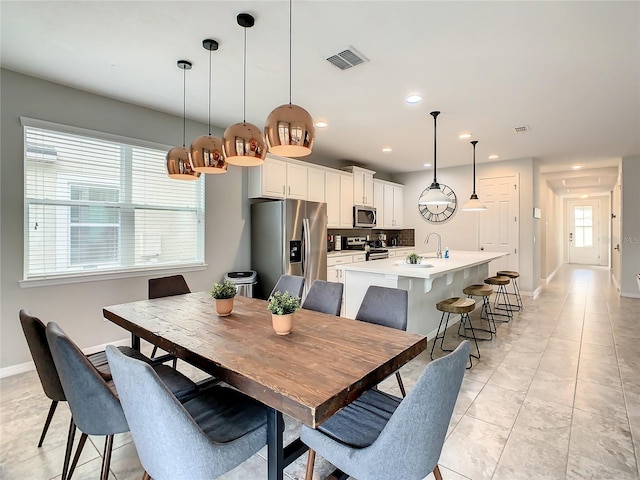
223	294
282	307
413	259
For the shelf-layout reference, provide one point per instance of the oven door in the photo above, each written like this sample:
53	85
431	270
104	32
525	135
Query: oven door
364	217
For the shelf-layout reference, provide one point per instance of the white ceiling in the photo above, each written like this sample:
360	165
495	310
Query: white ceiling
570	71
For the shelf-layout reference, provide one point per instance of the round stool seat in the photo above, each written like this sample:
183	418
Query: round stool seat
478	290
497	280
508	273
456	305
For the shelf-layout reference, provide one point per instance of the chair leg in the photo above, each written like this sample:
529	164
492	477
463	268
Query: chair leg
52	409
436	473
67	453
106	459
153	352
401	385
76	457
311	459
146	476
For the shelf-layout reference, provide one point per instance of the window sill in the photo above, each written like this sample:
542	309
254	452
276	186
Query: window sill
111	275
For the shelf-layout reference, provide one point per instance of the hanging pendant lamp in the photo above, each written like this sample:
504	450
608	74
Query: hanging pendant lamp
474	204
289	129
178	163
206	151
243	143
434	195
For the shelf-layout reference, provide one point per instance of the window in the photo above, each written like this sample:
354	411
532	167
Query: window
583	221
100	204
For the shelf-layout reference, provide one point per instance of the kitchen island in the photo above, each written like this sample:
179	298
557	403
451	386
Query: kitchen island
434	279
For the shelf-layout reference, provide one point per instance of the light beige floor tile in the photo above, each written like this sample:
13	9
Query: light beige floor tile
497	406
559	364
525	458
587	468
603	354
545	421
550	387
600	400
596	371
512	376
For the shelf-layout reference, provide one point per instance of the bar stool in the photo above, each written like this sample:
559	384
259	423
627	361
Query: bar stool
516	291
484	291
457	305
505	304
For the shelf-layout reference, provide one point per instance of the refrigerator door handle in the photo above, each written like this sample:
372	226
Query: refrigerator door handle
306	249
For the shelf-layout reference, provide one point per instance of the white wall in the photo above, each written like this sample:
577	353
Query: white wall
616	229
461	231
78	307
550	232
630	245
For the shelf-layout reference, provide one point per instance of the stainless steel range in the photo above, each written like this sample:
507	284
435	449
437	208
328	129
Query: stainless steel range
360	243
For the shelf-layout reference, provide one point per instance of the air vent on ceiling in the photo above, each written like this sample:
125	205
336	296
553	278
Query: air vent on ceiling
347	58
523	129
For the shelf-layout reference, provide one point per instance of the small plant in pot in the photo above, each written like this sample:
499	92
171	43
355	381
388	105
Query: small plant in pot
413	259
282	307
223	294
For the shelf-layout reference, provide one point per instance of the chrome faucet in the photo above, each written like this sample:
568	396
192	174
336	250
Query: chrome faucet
439	251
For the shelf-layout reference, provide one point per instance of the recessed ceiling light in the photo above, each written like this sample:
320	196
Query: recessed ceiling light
464	135
493	157
576	167
386	149
584	195
321	124
427	165
414	99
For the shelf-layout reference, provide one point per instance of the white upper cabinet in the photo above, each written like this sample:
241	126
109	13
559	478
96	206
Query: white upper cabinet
346	200
316	192
332	196
278	178
362	186
392	205
378	202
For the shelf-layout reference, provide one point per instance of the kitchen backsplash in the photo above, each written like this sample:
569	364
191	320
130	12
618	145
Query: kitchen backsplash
405	238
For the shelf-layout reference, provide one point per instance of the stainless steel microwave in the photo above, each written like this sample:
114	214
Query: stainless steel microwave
364	217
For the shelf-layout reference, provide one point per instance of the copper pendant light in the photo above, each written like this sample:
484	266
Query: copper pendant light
206	151
474	204
243	143
178	163
434	195
289	129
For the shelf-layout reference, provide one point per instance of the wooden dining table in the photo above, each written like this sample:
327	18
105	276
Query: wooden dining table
325	363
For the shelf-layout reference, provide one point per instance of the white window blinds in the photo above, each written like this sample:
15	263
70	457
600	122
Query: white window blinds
95	205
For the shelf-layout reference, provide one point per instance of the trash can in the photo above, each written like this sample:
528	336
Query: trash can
244	281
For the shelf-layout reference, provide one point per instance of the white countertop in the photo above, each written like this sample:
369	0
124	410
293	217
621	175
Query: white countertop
459	260
338	253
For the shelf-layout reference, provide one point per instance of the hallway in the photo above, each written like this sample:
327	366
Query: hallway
556	395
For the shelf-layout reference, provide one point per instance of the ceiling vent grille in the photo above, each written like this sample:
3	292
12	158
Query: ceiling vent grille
347	58
523	129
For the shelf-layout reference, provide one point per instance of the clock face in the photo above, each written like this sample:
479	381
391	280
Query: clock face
439	213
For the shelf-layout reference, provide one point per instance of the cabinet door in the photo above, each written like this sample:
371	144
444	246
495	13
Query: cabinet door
332	196
367	183
316	185
296	181
274	178
346	201
358	188
398	206
378	202
388	206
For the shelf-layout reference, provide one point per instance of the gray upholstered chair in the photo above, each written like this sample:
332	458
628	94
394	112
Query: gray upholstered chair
200	439
325	297
388	307
167	287
93	402
289	283
35	334
380	436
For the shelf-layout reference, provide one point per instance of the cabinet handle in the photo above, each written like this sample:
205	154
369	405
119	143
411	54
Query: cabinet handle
289	191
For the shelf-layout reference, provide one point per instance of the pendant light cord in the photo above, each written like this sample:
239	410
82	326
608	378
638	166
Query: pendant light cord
244	79
209	120
435	136
290	55
184	105
474	166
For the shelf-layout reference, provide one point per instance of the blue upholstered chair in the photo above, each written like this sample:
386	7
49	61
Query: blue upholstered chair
325	297
93	402
200	439
289	283
380	436
387	307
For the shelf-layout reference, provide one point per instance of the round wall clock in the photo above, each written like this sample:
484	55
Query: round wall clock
439	213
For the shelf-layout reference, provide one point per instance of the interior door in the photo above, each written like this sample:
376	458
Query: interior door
499	225
584	231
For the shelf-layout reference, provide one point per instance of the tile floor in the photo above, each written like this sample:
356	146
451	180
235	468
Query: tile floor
555	396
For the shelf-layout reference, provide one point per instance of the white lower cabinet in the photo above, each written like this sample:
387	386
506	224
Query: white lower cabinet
334	275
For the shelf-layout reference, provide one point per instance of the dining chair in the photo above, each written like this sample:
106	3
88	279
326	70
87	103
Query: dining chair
167	287
325	297
380	436
387	307
94	404
35	334
289	283
201	438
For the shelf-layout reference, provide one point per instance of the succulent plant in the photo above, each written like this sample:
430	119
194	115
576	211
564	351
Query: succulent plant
223	290
283	303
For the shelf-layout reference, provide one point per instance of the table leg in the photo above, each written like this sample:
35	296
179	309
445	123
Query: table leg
275	442
135	342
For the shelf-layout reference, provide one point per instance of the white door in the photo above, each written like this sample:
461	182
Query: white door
499	225
584	231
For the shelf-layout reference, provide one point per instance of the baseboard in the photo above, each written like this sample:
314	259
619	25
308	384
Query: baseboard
28	366
553	274
630	295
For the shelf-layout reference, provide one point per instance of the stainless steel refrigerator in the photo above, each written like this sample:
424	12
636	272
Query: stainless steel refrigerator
288	237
